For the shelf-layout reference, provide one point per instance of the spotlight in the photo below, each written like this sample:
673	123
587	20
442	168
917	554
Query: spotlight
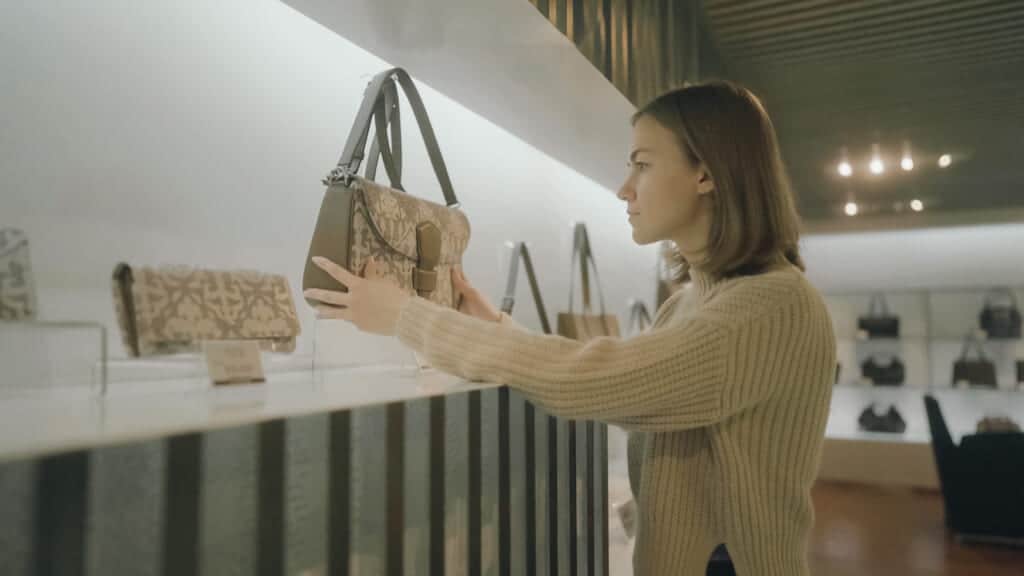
916	205
945	160
877	166
845	170
907	163
851	208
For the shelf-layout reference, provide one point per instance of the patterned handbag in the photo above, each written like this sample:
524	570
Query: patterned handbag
415	242
170	310
586	325
17	290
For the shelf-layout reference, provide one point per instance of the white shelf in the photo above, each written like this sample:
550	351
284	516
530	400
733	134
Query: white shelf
55	421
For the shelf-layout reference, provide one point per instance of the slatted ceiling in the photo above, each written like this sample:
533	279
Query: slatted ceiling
947	75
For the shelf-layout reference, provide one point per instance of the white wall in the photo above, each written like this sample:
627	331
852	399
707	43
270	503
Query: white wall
197	132
951	257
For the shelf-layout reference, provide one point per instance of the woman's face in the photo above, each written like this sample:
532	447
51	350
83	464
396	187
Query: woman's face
667	197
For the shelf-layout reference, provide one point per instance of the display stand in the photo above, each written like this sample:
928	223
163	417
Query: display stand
49	356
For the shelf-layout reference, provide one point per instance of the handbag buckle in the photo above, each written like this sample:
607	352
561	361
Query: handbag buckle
339	175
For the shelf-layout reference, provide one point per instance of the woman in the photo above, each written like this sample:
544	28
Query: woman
732	384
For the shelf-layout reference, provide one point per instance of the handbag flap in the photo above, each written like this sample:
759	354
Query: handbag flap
182	304
393	216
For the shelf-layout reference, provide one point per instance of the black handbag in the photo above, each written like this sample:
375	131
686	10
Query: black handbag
1020	371
890	422
975	372
891	374
879	323
1000	318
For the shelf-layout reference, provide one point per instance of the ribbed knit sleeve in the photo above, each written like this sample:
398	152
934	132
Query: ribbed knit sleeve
667	379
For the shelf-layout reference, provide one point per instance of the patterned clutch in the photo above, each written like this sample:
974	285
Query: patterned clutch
17	290
173	309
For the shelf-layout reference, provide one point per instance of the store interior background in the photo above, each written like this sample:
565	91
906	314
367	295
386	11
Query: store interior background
197	133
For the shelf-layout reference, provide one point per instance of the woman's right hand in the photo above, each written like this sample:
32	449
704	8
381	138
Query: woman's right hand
470	300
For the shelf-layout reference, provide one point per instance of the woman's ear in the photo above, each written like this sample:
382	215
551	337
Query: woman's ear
705	183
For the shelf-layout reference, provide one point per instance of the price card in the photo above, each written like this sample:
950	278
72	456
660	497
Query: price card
233	362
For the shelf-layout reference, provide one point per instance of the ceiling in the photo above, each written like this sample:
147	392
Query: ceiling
939	76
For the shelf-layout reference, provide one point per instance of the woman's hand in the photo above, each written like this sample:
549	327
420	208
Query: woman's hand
372	303
470	300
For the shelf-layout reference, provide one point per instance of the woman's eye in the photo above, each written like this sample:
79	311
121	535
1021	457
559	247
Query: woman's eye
639	165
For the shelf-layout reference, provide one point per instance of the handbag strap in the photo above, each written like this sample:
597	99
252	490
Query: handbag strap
879	304
519	250
997	292
639	316
352	156
387	114
971	343
582	253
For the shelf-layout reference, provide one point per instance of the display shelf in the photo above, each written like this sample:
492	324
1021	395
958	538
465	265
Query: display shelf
50	355
52	421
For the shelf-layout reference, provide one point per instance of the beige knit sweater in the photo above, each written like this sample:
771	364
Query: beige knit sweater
734	392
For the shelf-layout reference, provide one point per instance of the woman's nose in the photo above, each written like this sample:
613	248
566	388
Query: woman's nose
626	192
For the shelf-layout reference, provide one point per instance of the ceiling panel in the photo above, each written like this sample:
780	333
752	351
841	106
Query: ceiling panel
938	76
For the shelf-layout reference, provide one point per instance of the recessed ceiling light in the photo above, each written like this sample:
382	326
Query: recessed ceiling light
916	205
907	163
877	166
945	160
845	170
850	208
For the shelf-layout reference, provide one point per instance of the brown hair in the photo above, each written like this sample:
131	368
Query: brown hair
755	221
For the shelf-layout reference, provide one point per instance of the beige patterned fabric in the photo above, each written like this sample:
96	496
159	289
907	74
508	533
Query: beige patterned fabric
17	291
382	225
172	309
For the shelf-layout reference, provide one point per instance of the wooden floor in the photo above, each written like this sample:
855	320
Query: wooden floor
877	531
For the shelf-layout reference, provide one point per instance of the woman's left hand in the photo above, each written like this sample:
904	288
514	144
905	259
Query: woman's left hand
372	303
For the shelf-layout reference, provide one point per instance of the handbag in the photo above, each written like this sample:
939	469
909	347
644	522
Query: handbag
639	317
879	323
170	310
17	289
520	251
891	421
585	325
997	424
1000	320
975	372
415	242
1020	371
891	374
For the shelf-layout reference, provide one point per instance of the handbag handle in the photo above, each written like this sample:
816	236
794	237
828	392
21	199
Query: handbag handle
971	343
387	113
639	316
996	292
581	251
519	250
878	303
352	155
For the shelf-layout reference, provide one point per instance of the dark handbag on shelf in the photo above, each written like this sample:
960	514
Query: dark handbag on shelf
879	323
17	290
1020	371
975	372
639	317
890	422
891	374
585	325
519	251
415	242
1000	318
